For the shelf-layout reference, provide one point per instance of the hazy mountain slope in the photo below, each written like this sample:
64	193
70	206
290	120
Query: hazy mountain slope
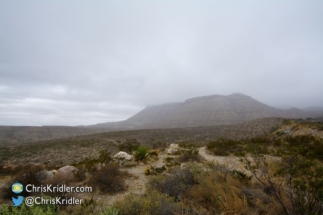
196	112
205	111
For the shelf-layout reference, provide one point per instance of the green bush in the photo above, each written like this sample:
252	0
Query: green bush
42	209
110	211
141	152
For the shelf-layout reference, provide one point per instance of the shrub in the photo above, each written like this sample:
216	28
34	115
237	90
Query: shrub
42	209
110	211
108	179
223	147
90	163
286	122
296	185
241	176
152	170
27	174
191	154
104	156
170	162
159	145
280	133
174	184
141	152
215	191
153	153
187	145
129	146
152	202
220	152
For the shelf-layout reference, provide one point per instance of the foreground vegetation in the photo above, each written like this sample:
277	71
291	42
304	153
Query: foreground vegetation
279	174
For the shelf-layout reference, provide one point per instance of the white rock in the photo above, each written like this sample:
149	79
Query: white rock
123	158
173	148
123	155
54	171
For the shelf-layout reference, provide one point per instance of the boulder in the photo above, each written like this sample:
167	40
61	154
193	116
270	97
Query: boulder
123	158
44	175
173	149
67	171
54	171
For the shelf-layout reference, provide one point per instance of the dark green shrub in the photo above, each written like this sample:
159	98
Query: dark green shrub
141	152
42	209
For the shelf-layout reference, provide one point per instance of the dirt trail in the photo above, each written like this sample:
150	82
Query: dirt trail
137	182
231	162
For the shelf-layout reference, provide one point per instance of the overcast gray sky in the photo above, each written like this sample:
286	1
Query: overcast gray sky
87	62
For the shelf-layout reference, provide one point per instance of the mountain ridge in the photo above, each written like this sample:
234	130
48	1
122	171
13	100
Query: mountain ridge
205	111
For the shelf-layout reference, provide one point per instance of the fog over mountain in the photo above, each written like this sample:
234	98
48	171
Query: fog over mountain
206	111
85	62
196	113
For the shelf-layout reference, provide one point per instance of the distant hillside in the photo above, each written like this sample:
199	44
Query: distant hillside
205	111
195	112
25	134
314	109
65	151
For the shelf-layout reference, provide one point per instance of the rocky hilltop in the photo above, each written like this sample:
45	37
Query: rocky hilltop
205	111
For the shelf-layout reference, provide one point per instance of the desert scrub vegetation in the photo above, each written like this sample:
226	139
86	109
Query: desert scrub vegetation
151	203
171	162
141	152
27	174
224	147
89	164
153	170
190	155
202	189
108	179
25	210
129	146
295	182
